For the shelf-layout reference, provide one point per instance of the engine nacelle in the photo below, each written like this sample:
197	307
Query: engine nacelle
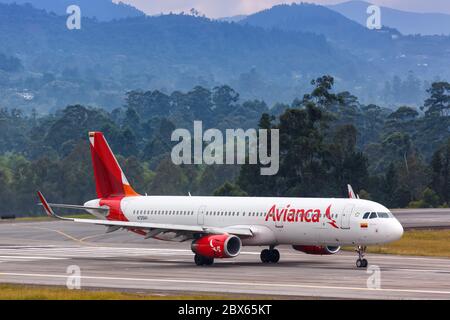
217	246
318	250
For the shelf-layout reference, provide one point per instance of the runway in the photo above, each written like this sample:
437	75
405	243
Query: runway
41	252
423	218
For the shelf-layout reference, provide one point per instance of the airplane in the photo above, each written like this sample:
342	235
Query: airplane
218	227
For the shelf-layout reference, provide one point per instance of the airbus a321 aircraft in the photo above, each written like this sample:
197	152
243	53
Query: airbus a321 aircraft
218	227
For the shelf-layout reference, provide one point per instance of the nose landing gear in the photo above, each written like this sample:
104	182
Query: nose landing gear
361	262
270	255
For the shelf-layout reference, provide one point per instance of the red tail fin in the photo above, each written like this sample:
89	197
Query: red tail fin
109	177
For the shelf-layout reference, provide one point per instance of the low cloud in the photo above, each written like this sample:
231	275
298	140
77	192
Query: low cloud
226	8
211	8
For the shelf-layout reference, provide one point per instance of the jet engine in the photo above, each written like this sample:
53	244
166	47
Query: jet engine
318	250
217	246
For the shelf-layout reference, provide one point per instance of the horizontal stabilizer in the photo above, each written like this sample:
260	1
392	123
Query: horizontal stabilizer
75	207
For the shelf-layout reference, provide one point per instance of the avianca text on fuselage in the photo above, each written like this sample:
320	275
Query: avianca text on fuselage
288	214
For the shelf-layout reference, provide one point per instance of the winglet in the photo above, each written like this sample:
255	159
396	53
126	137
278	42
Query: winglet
47	207
44	202
351	194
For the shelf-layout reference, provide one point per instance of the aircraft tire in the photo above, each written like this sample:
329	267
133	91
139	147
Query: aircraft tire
365	263
265	256
199	260
274	256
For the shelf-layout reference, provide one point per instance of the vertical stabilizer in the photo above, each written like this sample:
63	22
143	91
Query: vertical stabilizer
109	177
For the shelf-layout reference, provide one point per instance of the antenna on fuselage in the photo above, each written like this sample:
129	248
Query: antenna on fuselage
189	194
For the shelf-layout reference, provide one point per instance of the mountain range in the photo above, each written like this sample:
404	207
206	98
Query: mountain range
103	10
405	22
271	55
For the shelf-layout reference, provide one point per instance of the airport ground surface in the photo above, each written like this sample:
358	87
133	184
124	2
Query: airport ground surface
40	252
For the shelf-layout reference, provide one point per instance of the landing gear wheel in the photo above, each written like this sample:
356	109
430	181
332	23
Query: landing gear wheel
274	256
270	255
365	263
265	256
208	261
361	262
201	260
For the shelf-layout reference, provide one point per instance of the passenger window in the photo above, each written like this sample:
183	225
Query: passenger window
373	215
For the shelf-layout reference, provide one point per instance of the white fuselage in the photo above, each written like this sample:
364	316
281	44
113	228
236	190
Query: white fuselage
273	221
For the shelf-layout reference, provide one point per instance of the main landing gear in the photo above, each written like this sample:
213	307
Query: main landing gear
203	261
361	262
270	255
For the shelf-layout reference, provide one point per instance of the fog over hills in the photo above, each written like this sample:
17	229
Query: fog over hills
271	55
103	10
403	21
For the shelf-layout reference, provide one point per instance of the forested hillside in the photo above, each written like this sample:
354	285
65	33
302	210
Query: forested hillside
44	66
328	139
102	10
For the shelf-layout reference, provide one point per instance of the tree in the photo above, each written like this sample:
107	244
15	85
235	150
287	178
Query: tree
224	98
347	164
438	104
230	190
440	167
321	96
404	114
429	199
169	179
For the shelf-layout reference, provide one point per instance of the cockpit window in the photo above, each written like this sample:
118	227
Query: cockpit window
383	215
373	215
366	215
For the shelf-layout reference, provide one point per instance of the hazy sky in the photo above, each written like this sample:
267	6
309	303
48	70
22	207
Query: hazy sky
225	8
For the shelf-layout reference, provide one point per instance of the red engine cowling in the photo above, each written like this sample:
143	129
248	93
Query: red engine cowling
217	246
318	250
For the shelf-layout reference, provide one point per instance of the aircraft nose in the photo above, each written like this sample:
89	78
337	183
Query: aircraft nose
397	230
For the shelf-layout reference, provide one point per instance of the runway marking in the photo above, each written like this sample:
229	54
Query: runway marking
424	270
32	257
109	252
228	283
59	232
89	252
92	236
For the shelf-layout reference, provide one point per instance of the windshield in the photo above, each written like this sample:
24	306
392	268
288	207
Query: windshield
374	215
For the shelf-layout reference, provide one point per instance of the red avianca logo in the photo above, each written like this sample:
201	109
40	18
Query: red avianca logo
289	214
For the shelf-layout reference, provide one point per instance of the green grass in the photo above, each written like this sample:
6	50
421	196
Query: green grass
430	243
23	292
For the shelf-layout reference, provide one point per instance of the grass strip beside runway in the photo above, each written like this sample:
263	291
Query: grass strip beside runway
27	292
430	243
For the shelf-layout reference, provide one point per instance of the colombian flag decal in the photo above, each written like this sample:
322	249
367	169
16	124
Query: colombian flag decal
364	225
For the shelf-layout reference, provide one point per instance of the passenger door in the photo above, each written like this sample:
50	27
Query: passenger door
346	216
201	215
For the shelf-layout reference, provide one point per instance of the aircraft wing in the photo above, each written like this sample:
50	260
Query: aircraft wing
152	228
